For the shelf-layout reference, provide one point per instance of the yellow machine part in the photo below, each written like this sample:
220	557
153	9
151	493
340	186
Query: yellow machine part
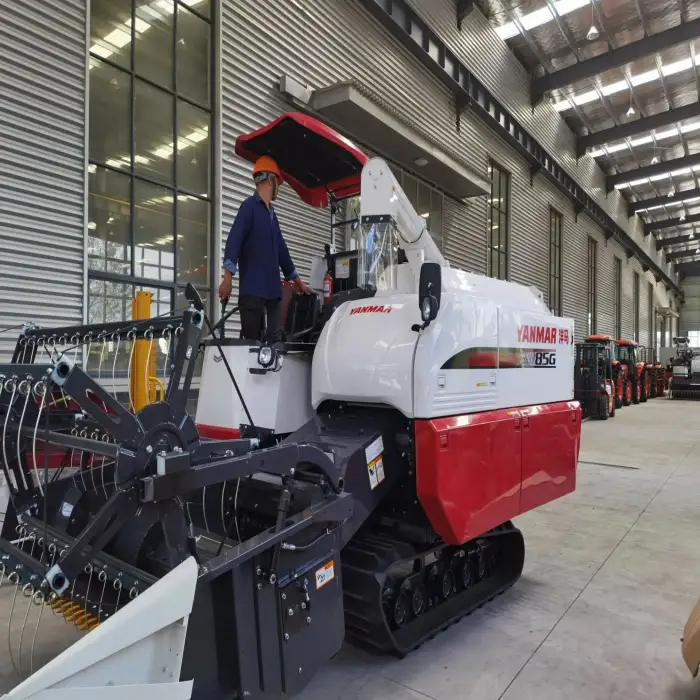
74	613
143	364
691	641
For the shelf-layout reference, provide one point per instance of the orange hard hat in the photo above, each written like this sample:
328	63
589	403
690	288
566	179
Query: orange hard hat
265	164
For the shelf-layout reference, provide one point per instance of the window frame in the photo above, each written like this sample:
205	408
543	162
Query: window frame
617	296
212	200
556	240
636	288
503	272
592	288
651	320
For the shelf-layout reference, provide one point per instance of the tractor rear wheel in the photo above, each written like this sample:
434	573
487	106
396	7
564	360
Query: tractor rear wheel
636	392
604	410
626	393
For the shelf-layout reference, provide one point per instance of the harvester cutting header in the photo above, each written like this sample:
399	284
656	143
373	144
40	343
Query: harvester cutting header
231	554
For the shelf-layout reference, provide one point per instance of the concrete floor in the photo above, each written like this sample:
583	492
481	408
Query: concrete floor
611	575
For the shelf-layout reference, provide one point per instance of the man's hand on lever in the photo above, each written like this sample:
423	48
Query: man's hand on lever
226	286
302	286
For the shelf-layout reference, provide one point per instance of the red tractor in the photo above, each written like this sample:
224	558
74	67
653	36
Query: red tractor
635	371
610	348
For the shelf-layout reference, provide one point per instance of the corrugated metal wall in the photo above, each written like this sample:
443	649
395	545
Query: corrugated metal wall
42	163
321	43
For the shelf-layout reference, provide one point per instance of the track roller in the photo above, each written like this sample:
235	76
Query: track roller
397	597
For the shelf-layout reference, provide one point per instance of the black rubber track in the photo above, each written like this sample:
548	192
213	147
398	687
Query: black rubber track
367	562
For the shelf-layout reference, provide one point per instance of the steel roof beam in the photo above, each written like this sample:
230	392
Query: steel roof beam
680	196
412	32
689	269
652	226
665	166
615	58
655	121
678	254
674	240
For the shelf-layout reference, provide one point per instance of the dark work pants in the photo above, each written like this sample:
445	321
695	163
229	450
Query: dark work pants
253	311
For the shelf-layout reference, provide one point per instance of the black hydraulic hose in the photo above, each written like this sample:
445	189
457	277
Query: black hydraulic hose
228	369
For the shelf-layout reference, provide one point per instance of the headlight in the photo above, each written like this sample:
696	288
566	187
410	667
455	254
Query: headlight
425	310
265	356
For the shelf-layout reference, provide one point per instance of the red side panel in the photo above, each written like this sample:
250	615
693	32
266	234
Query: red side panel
214	432
551	441
477	471
468	472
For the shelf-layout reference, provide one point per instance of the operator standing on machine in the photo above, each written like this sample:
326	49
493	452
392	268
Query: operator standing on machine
256	248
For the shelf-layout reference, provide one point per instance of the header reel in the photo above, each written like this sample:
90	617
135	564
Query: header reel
106	502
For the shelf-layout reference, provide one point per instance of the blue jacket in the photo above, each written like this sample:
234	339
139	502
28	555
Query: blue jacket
255	247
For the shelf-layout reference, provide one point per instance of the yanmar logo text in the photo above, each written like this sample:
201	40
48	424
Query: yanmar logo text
371	310
543	334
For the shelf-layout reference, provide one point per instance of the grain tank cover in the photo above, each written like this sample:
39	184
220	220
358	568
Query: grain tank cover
315	160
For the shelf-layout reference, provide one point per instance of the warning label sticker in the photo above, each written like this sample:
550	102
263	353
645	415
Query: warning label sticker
325	575
375	463
374	450
375	469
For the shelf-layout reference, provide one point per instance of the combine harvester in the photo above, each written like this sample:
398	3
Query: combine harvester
375	462
684	382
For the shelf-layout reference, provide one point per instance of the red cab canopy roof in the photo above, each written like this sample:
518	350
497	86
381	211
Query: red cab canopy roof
315	160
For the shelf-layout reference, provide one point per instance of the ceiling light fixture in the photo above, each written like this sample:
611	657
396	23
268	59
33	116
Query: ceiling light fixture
683	219
672	193
655	160
630	111
593	33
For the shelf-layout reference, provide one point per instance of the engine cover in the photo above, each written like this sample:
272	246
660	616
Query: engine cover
493	345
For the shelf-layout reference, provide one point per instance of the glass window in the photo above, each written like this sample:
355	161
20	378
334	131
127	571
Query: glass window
150	209
193	57
555	261
109	221
193	237
617	296
498	233
193	165
153	141
110	31
110	115
154	232
592	286
153	42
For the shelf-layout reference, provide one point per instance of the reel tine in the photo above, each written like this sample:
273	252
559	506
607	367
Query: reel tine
204	508
102	576
40	600
88	570
24	385
114	368
27	592
14	579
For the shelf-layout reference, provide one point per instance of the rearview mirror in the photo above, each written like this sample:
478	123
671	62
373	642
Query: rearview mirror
429	291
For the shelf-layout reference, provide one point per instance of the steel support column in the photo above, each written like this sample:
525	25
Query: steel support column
413	33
